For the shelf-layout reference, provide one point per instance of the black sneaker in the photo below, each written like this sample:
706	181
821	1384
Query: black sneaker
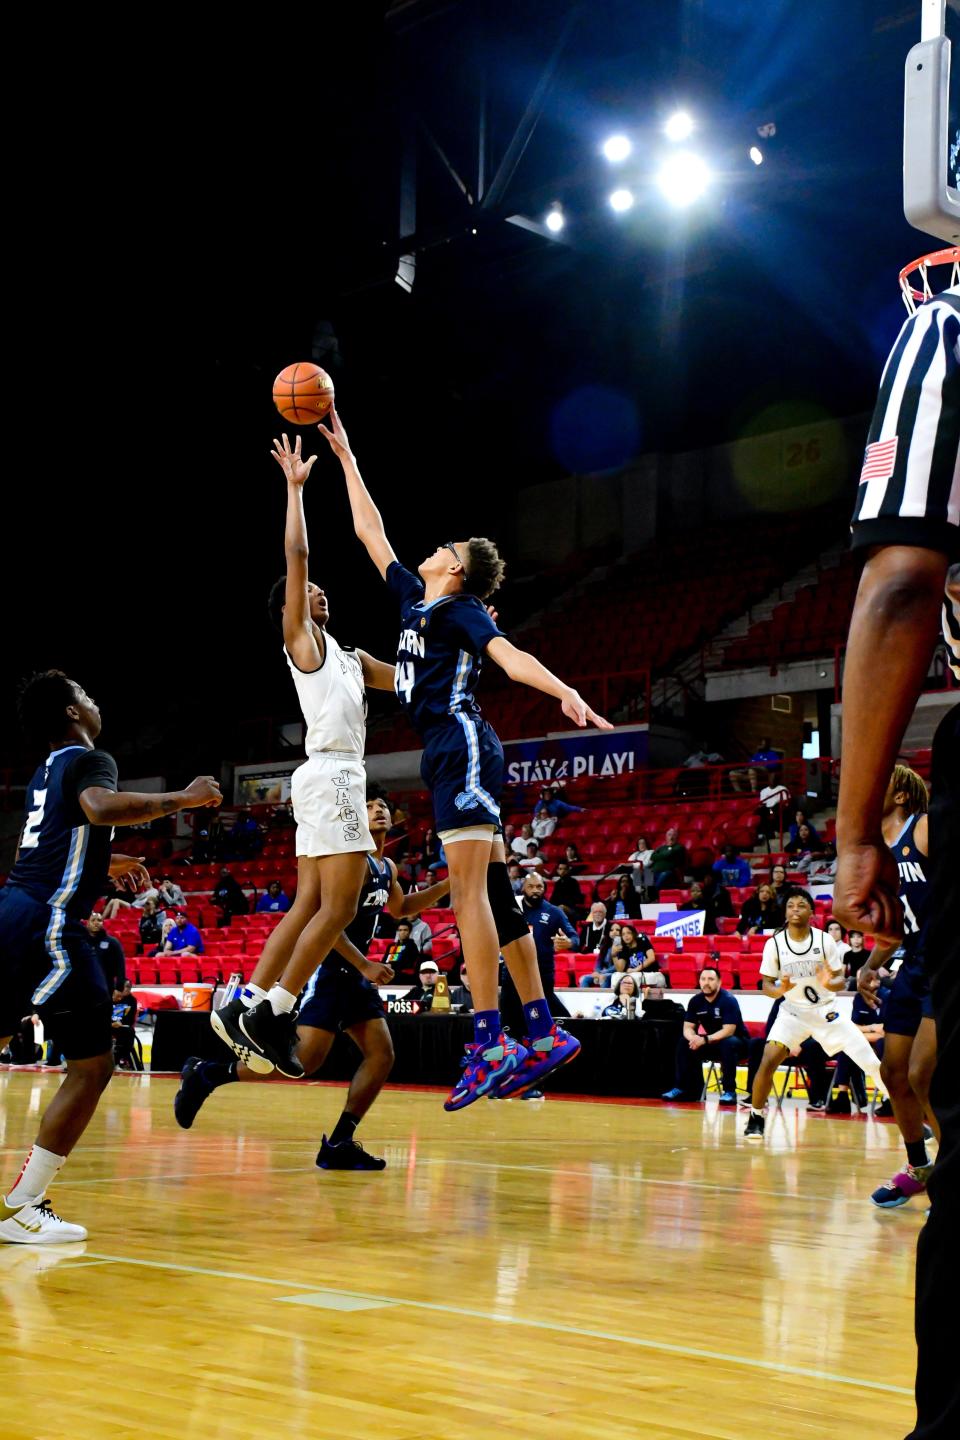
347	1155
273	1038
884	1111
532	1094
755	1127
818	1105
840	1103
192	1093
226	1023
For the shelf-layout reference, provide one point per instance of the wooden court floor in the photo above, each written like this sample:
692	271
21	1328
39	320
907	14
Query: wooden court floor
566	1269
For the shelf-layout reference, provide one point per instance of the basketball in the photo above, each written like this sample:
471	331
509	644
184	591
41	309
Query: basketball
303	393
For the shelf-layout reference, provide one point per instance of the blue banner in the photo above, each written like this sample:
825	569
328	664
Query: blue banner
576	753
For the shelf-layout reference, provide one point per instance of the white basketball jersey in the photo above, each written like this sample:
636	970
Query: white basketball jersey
783	956
333	701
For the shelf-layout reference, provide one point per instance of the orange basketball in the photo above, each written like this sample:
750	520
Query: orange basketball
303	393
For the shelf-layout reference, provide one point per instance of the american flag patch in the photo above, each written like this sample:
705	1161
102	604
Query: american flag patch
879	460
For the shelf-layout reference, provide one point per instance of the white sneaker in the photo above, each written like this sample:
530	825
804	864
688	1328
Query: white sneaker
36	1225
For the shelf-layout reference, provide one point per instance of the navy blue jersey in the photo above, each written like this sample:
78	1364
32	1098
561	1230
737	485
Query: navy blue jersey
438	658
63	860
913	893
373	899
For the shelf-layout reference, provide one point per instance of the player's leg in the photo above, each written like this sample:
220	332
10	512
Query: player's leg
861	1052
774	1053
923	1062
343	1151
916	1058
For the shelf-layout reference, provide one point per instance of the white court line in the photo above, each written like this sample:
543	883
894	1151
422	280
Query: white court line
581	1332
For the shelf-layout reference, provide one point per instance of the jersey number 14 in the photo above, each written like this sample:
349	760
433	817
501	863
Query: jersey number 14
403	680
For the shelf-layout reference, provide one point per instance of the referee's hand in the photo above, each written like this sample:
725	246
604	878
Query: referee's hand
865	891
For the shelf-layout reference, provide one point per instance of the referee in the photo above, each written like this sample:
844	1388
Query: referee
907	520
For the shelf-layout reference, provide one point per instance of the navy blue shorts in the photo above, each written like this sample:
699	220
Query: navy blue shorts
909	1001
462	767
339	997
48	966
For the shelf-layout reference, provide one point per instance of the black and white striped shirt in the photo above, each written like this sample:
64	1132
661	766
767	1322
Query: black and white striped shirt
909	491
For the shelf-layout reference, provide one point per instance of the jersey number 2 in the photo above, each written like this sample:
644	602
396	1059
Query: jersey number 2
31	831
403	679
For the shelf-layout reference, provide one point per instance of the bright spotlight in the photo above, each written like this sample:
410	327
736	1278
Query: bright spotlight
679	126
617	148
756	154
555	220
683	178
621	200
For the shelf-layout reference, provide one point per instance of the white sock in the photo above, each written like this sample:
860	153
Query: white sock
38	1170
252	995
281	1001
755	1111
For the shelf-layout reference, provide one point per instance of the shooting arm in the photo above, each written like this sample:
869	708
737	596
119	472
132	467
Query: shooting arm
377	674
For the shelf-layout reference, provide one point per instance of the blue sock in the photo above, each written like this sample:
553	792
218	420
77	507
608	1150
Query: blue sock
486	1027
538	1019
213	1073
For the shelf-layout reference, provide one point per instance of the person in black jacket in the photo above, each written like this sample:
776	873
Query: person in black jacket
762	911
109	952
228	898
624	903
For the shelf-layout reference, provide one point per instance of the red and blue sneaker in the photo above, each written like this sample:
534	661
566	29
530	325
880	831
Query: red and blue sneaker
484	1070
910	1181
540	1057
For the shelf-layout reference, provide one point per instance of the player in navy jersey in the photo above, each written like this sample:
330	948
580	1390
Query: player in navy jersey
910	1036
445	630
342	996
47	962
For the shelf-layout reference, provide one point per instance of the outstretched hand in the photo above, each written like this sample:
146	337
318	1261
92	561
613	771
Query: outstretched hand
576	709
291	462
336	436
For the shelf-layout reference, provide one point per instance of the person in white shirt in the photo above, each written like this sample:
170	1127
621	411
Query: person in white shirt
544	825
520	842
801	966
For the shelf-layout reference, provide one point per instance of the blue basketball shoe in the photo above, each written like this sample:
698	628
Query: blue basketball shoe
484	1071
540	1058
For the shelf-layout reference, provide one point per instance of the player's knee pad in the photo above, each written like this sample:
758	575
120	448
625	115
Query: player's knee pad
506	913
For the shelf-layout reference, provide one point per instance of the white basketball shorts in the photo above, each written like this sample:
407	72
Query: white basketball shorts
823	1023
329	795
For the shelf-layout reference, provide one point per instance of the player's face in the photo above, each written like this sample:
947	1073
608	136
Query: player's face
319	609
797	911
89	711
378	815
443	561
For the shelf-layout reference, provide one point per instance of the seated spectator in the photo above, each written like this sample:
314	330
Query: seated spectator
551	802
515	876
151	926
123	1021
533	859
812	1058
431	848
127	900
636	948
760	912
732	869
764	762
603	972
403	954
611	945
624	903
521	841
839	937
109	953
593	935
642	861
572	857
854	957
246	836
713	1028
807	848
170	896
228	898
567	893
799	819
693	778
656	1005
208	838
183	938
460	996
544	824
422	936
780	885
848	1077
712	899
668	863
625	996
272	901
422	992
509	833
440	863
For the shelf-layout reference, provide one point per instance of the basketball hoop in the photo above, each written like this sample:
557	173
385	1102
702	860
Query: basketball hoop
916	273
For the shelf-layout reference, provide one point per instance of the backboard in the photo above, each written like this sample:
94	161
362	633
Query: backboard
931	123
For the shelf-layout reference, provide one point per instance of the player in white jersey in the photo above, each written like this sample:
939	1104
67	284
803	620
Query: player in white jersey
802	966
329	801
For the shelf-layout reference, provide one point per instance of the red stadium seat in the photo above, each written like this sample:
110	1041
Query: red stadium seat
748	970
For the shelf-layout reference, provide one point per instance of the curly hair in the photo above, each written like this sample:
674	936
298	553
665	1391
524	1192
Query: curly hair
913	786
484	571
42	700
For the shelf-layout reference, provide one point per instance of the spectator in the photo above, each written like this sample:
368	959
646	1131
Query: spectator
422	936
551	802
118	901
567	893
422	992
636	948
780	886
806	848
509	833
515	876
228	898
403	953
774	798
642	861
594	935
764	762
712	899
521	841
760	912
533	859
624	903
668	862
272	901
801	819
440	863
712	1029
109	953
572	857
732	869
183	938
431	848
460	996
625	996
812	1058
854	957
552	934
839	937
246	836
208	838
123	1021
544	824
170	896
23	1048
151	926
656	1005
